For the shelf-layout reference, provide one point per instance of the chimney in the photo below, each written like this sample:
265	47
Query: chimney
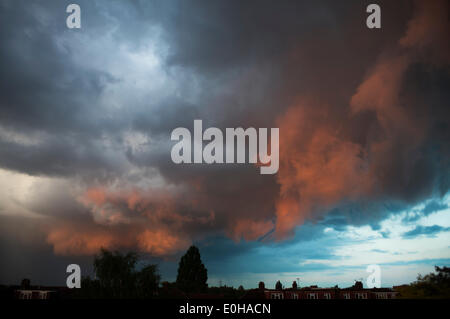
261	285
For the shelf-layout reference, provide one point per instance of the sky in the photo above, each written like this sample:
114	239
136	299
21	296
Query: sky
86	117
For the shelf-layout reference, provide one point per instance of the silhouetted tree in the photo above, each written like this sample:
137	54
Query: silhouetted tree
115	272
294	285
278	286
192	274
433	285
148	281
117	277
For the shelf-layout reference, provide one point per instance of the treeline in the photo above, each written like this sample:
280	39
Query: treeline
117	275
431	286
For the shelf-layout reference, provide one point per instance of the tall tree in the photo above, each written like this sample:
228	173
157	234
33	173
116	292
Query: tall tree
115	272
117	277
148	281
192	274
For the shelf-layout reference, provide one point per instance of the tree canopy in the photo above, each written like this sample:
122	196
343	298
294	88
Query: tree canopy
117	276
192	274
433	285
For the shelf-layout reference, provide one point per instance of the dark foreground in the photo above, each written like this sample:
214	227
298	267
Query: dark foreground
225	308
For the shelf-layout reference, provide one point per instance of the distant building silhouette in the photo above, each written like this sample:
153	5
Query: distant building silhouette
294	285
357	291
261	285
34	294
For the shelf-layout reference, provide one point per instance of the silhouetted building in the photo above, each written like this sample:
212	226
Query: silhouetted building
357	291
34	294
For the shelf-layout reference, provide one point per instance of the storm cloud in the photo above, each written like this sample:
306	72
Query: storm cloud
363	117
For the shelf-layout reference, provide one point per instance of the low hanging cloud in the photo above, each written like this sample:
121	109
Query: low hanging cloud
321	168
363	116
318	169
425	230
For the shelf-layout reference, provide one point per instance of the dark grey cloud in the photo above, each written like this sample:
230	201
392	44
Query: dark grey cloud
425	230
71	99
25	254
42	89
431	207
434	206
